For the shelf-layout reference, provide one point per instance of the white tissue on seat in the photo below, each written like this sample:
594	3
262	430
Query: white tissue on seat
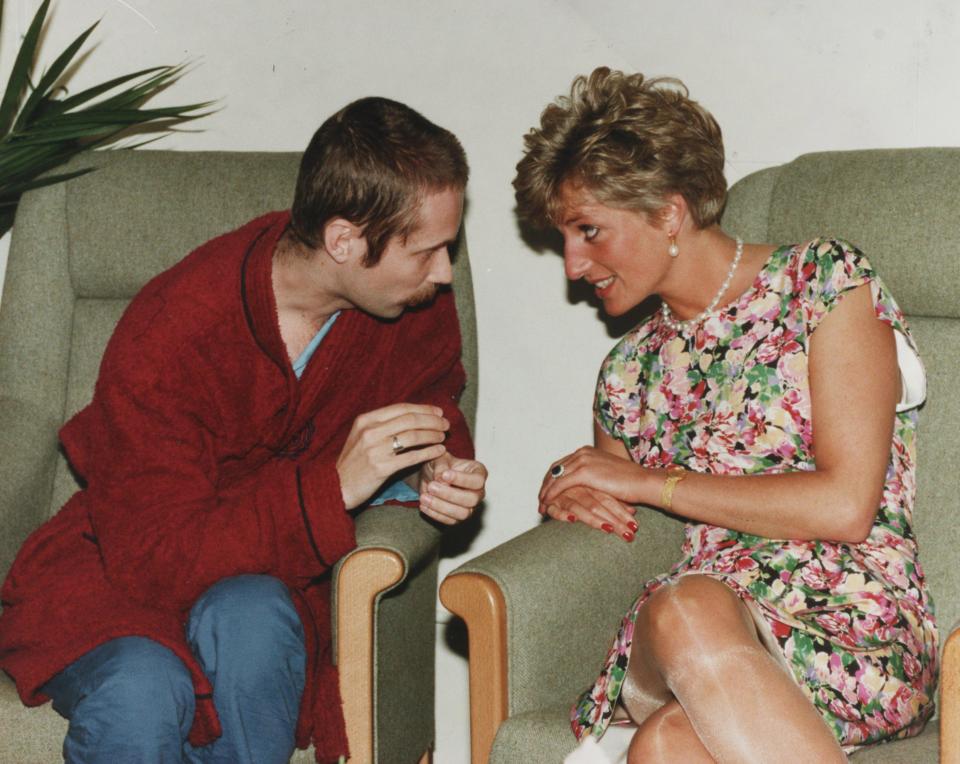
611	748
588	752
913	380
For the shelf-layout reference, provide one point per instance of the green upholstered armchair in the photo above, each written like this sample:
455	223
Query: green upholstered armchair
566	585
80	251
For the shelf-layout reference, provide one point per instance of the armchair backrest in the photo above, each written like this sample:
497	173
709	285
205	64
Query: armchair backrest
80	251
902	208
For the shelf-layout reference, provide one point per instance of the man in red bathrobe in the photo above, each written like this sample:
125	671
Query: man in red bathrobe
252	396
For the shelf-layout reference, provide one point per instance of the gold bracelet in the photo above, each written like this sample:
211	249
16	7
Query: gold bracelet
675	473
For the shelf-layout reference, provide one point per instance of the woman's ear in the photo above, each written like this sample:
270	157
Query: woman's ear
674	214
341	239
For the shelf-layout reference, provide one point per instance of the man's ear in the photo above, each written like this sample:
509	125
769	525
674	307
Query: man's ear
343	240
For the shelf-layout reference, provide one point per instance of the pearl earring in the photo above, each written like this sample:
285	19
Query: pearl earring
673	250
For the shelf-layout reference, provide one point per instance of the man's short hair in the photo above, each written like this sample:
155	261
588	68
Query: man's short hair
371	163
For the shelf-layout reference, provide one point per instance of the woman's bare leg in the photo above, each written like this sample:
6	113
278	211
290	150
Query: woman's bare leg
695	641
665	736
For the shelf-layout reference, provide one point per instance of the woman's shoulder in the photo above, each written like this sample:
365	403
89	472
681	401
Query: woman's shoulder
824	256
819	267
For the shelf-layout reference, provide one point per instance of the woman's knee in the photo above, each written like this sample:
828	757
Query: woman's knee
666	735
683	620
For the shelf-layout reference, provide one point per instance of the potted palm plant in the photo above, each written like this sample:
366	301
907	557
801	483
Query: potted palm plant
42	125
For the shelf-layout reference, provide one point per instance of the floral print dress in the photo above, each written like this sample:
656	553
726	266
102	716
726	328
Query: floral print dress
853	623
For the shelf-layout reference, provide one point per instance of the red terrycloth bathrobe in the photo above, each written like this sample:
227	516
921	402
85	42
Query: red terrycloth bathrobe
204	457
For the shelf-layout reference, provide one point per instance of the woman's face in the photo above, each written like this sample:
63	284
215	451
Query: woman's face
620	252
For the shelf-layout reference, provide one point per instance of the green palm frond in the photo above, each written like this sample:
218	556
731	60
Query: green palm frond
40	131
50	78
20	74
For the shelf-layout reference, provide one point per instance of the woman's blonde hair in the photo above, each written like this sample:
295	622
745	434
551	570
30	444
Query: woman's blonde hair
630	142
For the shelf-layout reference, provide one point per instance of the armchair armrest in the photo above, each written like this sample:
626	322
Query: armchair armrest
950	699
542	609
393	542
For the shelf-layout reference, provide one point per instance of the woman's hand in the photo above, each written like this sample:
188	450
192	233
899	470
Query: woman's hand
595	487
597	469
594	508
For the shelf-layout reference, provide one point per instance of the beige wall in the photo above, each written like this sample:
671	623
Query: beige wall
783	77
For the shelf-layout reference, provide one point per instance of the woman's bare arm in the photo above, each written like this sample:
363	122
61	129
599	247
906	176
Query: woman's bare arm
854	387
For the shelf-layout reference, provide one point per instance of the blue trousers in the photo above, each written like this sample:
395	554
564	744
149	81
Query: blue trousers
131	700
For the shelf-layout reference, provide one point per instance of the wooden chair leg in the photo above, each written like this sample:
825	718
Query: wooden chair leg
479	602
362	577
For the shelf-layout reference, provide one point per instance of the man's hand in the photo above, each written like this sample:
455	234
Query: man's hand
451	488
369	455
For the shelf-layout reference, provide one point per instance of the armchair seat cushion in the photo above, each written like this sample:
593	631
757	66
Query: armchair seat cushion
541	735
31	735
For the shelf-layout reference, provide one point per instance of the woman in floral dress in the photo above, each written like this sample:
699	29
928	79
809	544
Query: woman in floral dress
771	403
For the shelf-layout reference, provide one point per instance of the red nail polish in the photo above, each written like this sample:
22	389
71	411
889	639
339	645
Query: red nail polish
607	528
628	536
571	518
633	526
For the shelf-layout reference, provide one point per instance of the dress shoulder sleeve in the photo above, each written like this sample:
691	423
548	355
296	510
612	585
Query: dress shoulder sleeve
617	390
603	411
832	267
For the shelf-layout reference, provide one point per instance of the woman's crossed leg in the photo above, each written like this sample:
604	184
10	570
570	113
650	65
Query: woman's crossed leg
703	687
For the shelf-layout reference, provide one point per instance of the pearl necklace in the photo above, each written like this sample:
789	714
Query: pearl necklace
685	326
